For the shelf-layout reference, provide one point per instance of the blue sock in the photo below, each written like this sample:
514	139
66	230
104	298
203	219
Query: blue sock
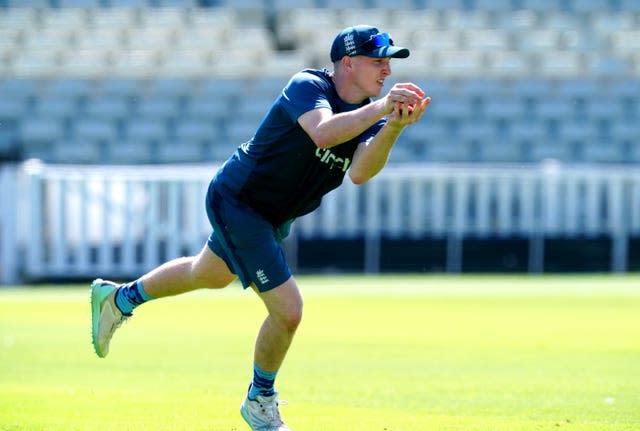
130	295
262	383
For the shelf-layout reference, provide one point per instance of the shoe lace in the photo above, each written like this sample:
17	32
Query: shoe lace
272	413
120	321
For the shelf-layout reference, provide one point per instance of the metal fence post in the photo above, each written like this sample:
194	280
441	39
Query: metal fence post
8	225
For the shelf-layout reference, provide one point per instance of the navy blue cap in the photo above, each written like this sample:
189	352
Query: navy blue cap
365	40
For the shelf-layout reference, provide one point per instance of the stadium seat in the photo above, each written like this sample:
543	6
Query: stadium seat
465	20
12	107
460	64
402	154
395	5
580	131
344	4
153	107
556	107
451	151
501	151
220	150
586	6
500	108
128	3
86	63
77	151
35	63
223	90
185	4
602	152
550	150
39	134
423	19
626	131
133	151
437	40
61	108
443	5
107	107
95	130
579	88
9	149
493	5
283	64
183	151
141	63
102	41
530	130
539	5
238	131
209	108
477	130
560	64
632	152
451	107
123	87
80	4
629	5
286	5
196	130
27	3
21	18
611	68
145	129
114	18
485	40
185	63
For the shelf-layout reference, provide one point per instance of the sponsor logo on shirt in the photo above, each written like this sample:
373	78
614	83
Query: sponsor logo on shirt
327	157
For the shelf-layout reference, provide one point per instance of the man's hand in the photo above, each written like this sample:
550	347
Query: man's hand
404	114
405	104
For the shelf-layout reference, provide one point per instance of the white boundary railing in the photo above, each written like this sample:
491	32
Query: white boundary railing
83	221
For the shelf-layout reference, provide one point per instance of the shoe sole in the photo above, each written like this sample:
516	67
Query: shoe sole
244	416
98	294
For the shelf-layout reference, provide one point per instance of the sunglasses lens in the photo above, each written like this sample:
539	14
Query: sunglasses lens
377	41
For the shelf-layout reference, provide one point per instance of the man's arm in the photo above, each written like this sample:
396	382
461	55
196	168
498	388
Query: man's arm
327	129
371	156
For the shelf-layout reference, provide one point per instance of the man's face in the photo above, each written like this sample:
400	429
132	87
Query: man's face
370	73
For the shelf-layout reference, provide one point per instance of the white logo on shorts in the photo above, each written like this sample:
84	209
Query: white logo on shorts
262	277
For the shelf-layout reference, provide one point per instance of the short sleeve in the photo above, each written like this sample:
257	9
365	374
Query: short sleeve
303	93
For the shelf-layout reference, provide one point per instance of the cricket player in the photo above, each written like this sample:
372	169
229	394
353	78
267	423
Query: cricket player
322	126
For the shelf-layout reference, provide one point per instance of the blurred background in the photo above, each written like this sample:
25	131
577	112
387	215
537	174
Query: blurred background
115	113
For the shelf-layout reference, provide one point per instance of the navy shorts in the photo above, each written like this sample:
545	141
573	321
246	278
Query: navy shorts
248	243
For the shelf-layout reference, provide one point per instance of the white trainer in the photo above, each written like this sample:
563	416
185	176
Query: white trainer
263	414
105	316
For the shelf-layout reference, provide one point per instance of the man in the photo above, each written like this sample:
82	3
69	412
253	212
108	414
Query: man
322	126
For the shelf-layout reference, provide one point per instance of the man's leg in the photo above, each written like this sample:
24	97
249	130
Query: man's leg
184	274
112	304
284	304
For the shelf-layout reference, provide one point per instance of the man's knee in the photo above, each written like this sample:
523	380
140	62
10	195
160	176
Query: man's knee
293	316
285	305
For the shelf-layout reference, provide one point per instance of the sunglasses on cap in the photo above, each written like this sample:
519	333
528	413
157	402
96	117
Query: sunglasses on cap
376	41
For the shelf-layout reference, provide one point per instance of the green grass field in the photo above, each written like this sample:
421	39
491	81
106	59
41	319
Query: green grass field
384	353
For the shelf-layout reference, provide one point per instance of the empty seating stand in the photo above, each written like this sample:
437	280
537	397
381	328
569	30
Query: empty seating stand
131	81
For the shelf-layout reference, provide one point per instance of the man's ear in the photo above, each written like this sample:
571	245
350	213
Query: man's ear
347	62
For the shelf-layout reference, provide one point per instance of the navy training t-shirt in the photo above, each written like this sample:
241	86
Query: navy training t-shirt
280	172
